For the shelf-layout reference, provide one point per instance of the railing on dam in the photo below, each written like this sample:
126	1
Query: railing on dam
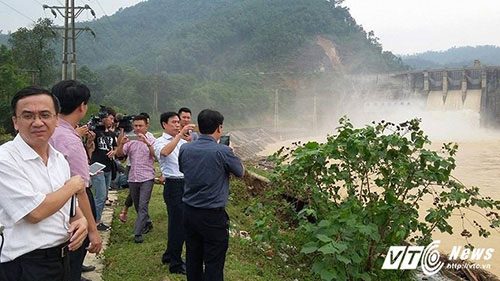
481	82
475	88
472	78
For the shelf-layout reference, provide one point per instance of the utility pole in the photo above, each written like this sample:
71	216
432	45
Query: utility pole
156	88
315	113
70	13
276	111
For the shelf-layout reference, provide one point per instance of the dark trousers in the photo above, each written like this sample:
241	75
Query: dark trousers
172	195
207	240
38	265
76	257
128	200
141	194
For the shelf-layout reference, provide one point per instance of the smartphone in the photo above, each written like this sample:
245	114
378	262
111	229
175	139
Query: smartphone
132	137
95	168
224	140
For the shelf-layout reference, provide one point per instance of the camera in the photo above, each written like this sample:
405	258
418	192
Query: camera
125	123
95	123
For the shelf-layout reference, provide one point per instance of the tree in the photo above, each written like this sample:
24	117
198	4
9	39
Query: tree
33	51
94	81
11	80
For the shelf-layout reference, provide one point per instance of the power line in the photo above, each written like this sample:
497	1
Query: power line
71	12
99	4
38	2
111	29
17	11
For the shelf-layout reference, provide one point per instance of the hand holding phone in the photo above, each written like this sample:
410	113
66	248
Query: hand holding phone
132	137
224	140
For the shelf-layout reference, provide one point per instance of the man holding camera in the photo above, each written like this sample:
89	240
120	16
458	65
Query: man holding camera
41	223
167	150
185	119
73	97
206	166
102	150
140	152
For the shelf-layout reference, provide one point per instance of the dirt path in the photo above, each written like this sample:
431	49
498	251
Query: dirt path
98	260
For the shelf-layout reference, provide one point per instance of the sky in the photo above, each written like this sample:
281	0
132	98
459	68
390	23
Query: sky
402	26
22	13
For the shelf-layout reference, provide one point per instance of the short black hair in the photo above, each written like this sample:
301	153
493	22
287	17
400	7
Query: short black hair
167	115
71	94
140	117
110	111
144	114
184	109
209	120
32	91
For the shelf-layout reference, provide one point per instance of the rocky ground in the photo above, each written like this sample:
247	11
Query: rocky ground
98	260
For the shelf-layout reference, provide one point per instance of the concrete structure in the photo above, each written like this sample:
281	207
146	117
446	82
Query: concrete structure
474	88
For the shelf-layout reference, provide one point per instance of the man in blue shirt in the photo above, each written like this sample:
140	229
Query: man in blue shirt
206	166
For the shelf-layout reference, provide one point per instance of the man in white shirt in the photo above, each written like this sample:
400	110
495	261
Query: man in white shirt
167	151
36	189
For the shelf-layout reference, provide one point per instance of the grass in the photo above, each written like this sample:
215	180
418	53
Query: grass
245	260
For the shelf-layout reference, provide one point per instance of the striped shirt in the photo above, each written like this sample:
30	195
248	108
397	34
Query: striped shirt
67	141
25	183
141	161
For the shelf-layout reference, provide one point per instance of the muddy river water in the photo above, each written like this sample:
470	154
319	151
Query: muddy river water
478	164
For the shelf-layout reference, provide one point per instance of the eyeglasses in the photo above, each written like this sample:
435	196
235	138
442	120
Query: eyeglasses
30	116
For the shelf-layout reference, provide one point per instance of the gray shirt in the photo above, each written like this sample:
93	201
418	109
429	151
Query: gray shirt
206	166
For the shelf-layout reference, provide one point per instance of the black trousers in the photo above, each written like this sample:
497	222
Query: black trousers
77	257
207	240
50	264
172	195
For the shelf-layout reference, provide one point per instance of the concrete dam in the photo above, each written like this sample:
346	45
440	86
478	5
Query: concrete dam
470	89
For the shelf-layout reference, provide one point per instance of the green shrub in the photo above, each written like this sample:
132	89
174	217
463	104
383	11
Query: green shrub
360	192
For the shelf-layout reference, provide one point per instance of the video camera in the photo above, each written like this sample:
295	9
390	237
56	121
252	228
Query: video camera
125	123
95	123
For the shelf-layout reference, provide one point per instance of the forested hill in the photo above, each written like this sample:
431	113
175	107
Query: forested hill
193	36
455	57
4	38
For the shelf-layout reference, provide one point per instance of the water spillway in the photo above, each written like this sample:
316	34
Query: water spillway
454	100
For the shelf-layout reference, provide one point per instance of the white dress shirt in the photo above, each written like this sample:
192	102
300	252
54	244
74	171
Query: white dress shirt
25	181
169	165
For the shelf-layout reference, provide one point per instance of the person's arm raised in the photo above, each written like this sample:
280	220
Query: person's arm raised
167	149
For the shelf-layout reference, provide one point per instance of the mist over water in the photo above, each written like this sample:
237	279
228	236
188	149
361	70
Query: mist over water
452	120
455	118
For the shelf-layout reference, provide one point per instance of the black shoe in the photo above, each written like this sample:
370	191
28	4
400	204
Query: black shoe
165	259
148	227
103	227
138	239
87	268
180	270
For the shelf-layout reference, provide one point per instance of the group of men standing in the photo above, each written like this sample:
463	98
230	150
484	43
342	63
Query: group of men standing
46	168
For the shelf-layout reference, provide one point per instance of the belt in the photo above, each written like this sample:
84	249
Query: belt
218	209
174	179
54	252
